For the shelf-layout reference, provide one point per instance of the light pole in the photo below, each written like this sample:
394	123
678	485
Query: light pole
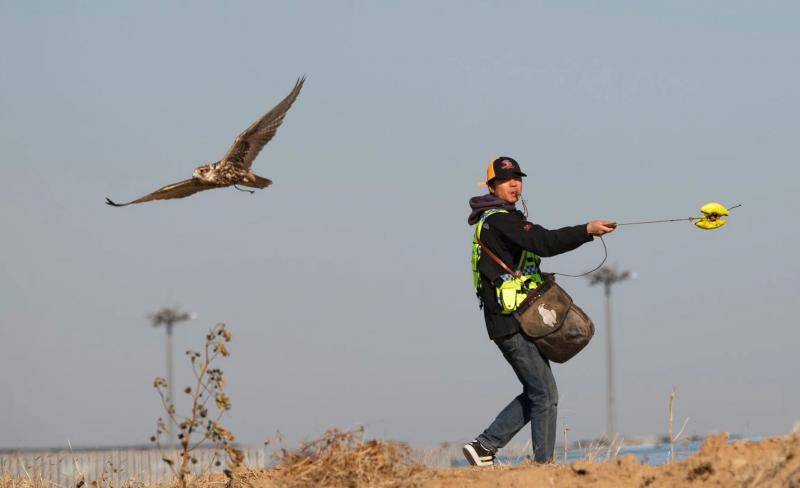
168	317
609	275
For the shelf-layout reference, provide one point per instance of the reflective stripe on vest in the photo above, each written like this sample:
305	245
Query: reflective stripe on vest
514	289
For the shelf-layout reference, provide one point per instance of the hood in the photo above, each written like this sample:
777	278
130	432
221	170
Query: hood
485	202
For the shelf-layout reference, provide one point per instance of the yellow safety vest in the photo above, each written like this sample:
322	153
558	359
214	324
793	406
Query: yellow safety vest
514	288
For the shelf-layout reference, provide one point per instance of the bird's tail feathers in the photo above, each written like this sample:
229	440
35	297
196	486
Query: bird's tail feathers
259	182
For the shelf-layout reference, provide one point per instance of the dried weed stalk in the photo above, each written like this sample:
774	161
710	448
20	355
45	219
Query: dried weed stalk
674	438
594	452
614	447
346	459
209	404
103	479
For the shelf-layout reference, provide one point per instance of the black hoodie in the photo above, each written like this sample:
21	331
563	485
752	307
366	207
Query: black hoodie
507	235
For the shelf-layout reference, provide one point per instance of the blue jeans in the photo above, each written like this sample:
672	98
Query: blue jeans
536	404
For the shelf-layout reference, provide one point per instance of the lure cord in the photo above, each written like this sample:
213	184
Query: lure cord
605	249
605	256
659	221
689	219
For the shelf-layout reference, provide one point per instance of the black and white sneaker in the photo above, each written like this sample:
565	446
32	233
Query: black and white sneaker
477	455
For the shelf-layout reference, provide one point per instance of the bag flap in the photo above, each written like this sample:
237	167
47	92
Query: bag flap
543	313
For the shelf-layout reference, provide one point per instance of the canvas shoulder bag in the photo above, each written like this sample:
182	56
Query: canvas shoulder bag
548	315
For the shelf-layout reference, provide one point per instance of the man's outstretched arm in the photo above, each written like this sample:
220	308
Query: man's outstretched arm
546	242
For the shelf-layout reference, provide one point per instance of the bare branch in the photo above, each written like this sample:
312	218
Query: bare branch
678	435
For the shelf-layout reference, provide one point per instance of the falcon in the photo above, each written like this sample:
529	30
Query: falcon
234	168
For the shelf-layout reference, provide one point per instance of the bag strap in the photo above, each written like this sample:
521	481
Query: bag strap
497	260
492	255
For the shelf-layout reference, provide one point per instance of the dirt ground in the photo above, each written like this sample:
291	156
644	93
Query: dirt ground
343	459
769	462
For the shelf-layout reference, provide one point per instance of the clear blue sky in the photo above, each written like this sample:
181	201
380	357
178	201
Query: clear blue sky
347	283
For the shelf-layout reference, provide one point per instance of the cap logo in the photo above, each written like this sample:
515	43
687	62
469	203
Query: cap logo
506	164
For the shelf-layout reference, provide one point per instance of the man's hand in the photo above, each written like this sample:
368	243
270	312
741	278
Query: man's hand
600	227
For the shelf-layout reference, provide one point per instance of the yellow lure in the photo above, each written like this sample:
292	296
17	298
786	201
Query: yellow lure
712	216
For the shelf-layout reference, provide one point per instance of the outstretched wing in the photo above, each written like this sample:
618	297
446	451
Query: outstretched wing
249	143
175	190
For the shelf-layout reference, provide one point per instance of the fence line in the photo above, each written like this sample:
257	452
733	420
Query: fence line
66	468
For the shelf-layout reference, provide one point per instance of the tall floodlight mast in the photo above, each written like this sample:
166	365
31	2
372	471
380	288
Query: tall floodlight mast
608	276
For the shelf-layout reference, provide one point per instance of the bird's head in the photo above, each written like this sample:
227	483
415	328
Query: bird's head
203	172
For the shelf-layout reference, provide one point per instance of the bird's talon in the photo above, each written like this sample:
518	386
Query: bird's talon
248	191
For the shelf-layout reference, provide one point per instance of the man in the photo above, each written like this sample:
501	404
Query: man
518	243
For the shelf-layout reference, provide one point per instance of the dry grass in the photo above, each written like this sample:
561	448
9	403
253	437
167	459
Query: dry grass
440	456
346	459
27	482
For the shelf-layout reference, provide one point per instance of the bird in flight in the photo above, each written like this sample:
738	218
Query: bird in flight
234	168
